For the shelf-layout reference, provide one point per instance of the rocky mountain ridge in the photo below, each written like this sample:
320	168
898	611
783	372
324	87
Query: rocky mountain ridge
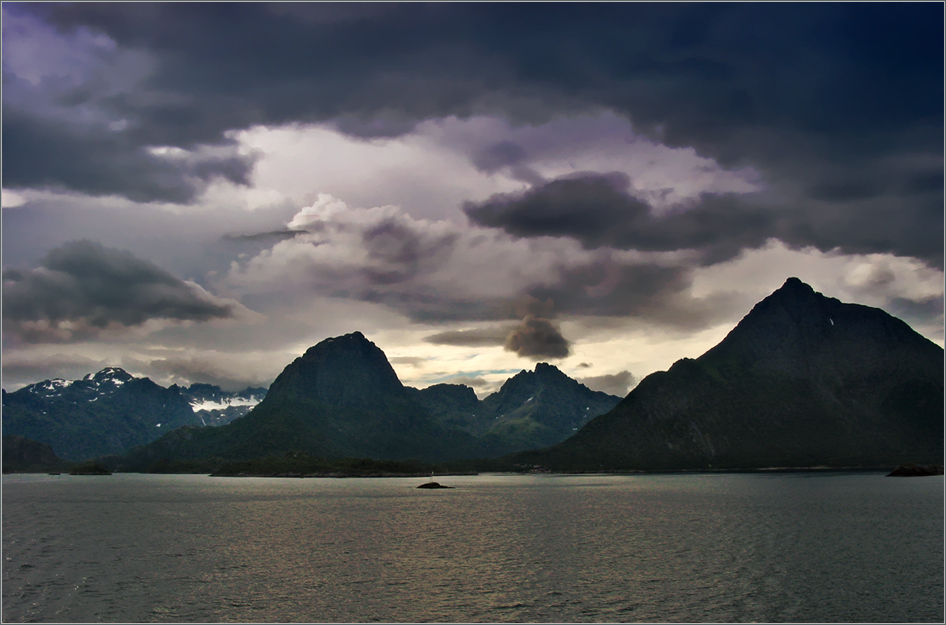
342	398
110	411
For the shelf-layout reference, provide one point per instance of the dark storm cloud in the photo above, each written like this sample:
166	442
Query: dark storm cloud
597	211
83	288
536	337
647	292
840	103
52	154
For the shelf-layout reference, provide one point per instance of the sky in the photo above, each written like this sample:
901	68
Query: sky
200	192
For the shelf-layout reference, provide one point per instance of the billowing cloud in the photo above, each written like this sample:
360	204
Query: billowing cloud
83	288
598	211
619	384
438	271
536	337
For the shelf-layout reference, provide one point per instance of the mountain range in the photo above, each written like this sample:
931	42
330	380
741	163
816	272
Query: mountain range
342	398
803	380
111	411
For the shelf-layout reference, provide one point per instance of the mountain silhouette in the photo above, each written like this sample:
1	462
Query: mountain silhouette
340	399
802	381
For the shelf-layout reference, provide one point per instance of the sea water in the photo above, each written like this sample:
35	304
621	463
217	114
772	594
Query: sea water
820	547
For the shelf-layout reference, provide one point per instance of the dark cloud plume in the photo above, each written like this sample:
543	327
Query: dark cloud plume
613	383
83	288
536	337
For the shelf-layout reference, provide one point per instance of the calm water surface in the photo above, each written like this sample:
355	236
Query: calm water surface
733	548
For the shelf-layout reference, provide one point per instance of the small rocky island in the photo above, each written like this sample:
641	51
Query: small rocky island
433	485
916	470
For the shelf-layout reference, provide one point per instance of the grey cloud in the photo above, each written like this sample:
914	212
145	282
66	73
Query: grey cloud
83	288
412	361
499	155
530	305
647	292
398	250
479	337
618	384
536	337
22	369
264	236
926	308
506	155
597	211
189	370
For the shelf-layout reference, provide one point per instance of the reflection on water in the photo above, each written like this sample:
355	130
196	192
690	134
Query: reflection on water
734	548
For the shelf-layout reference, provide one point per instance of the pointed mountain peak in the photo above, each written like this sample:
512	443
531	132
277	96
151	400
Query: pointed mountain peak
798	300
796	325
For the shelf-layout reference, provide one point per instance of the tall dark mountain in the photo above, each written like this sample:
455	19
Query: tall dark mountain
803	380
104	413
339	399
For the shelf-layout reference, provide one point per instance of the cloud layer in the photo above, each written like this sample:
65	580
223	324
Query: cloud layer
83	289
832	102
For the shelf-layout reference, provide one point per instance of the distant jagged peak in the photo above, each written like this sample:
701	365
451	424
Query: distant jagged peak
544	370
47	386
115	375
